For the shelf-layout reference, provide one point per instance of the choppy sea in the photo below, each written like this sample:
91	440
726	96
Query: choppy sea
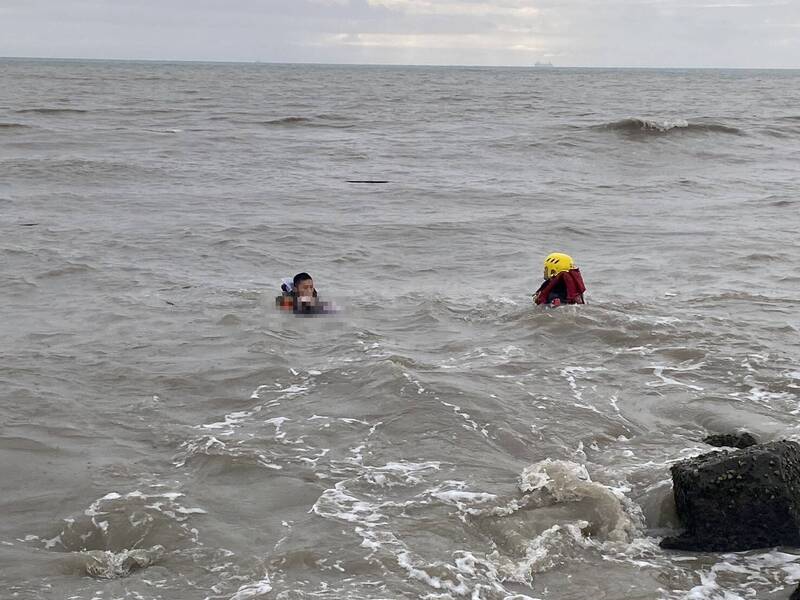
166	434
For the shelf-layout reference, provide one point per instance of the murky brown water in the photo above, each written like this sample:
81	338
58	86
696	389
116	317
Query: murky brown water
166	434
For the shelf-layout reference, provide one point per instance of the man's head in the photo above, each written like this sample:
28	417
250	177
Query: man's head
303	285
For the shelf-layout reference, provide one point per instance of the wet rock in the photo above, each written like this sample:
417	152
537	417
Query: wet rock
738	500
796	594
740	439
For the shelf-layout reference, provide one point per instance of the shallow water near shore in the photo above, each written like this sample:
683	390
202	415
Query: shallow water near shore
166	433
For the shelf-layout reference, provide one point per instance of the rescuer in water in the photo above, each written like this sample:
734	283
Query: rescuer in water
562	284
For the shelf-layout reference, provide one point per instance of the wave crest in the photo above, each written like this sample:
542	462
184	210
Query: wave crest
52	111
641	125
14	126
321	120
288	121
104	564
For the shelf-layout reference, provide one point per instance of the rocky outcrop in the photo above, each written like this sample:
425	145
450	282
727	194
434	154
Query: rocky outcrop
739	499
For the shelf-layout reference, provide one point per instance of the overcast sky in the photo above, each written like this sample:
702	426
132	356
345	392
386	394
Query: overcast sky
658	33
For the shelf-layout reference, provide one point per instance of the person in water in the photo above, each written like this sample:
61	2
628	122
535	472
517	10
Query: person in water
299	295
563	283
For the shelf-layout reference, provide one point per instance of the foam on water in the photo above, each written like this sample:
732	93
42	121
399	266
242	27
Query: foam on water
110	565
742	575
253	590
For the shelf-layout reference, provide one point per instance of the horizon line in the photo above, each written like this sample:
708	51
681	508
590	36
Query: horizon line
540	66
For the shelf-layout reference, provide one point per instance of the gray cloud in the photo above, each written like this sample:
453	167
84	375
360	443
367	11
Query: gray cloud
732	33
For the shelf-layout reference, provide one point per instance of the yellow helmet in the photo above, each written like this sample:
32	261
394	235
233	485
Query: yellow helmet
557	262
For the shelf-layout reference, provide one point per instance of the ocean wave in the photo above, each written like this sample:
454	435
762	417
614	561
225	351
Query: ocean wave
69	269
788	132
637	125
772	569
165	131
777	200
214	455
254	589
604	513
332	117
559	515
104	564
744	296
52	111
321	120
288	121
120	533
14	126
72	169
762	257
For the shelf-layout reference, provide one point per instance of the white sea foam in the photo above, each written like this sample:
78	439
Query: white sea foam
284	392
571	374
230	421
457	587
658	371
400	473
739	575
112	565
470	423
253	590
564	481
337	503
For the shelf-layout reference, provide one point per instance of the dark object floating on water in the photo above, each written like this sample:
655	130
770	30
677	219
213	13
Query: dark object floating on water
738	500
170	303
28	224
740	439
367	181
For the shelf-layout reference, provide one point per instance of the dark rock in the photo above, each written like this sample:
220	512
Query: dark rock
738	500
741	439
795	594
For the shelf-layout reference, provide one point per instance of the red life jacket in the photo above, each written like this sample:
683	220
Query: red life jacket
573	284
288	300
285	302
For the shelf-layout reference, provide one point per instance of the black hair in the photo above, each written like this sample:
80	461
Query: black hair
300	278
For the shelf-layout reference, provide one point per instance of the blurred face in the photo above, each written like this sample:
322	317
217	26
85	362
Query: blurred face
305	288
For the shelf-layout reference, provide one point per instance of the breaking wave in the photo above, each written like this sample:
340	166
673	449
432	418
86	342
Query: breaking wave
104	564
119	534
636	125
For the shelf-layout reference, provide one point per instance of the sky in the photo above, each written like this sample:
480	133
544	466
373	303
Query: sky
591	33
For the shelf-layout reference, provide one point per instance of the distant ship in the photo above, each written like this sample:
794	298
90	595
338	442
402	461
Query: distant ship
543	65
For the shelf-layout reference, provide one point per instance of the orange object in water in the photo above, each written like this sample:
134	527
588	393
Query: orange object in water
284	302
